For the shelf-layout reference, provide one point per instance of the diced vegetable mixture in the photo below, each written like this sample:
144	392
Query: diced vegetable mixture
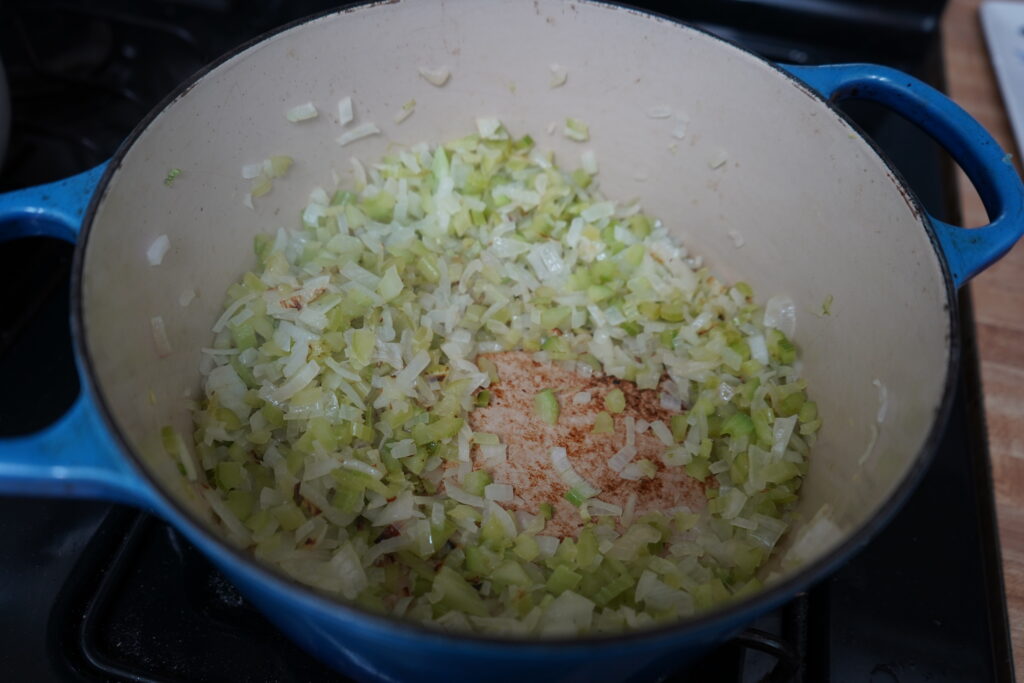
333	438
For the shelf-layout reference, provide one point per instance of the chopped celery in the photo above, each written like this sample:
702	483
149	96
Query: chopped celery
615	401
475	482
545	404
603	423
563	579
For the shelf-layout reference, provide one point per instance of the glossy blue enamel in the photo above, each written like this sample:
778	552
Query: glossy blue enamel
79	456
53	210
75	456
967	252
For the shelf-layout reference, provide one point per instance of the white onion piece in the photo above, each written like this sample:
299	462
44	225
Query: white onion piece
233	524
250	171
588	162
780	313
547	545
299	381
663	433
718	158
435	75
360	466
405	112
758	348
345	114
883	400
622	458
359	132
460	496
599	507
559	75
302	112
569	476
186	297
782	430
160	340
398	510
385	547
157	250
230	311
403	449
499	493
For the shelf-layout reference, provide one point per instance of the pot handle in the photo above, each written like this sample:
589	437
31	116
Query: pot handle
74	457
967	251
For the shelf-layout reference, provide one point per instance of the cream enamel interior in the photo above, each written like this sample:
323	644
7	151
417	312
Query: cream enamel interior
818	211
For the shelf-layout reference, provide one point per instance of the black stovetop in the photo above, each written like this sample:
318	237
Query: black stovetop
95	592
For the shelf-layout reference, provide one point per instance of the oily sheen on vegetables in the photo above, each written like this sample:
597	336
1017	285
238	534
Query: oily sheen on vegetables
334	439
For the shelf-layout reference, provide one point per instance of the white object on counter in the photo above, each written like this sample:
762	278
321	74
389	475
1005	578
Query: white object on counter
1003	23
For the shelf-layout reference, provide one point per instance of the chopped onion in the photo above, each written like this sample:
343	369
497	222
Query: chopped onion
160	340
403	449
780	313
588	162
460	496
302	112
499	493
299	380
345	114
569	476
406	111
251	171
718	158
883	400
758	348
186	297
558	75
435	75
157	250
362	467
359	132
400	509
622	458
600	507
663	433
547	545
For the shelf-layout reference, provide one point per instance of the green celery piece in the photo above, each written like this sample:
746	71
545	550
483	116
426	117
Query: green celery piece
545	403
457	594
475	482
511	572
526	547
603	423
615	401
563	579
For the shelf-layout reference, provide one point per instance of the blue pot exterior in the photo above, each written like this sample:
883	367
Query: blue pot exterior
374	650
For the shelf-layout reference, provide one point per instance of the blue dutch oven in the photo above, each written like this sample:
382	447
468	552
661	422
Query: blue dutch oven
763	154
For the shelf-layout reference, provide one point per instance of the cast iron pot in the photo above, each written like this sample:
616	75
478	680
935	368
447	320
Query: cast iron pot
819	210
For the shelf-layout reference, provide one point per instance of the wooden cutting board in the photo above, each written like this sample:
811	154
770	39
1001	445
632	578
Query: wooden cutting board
998	298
